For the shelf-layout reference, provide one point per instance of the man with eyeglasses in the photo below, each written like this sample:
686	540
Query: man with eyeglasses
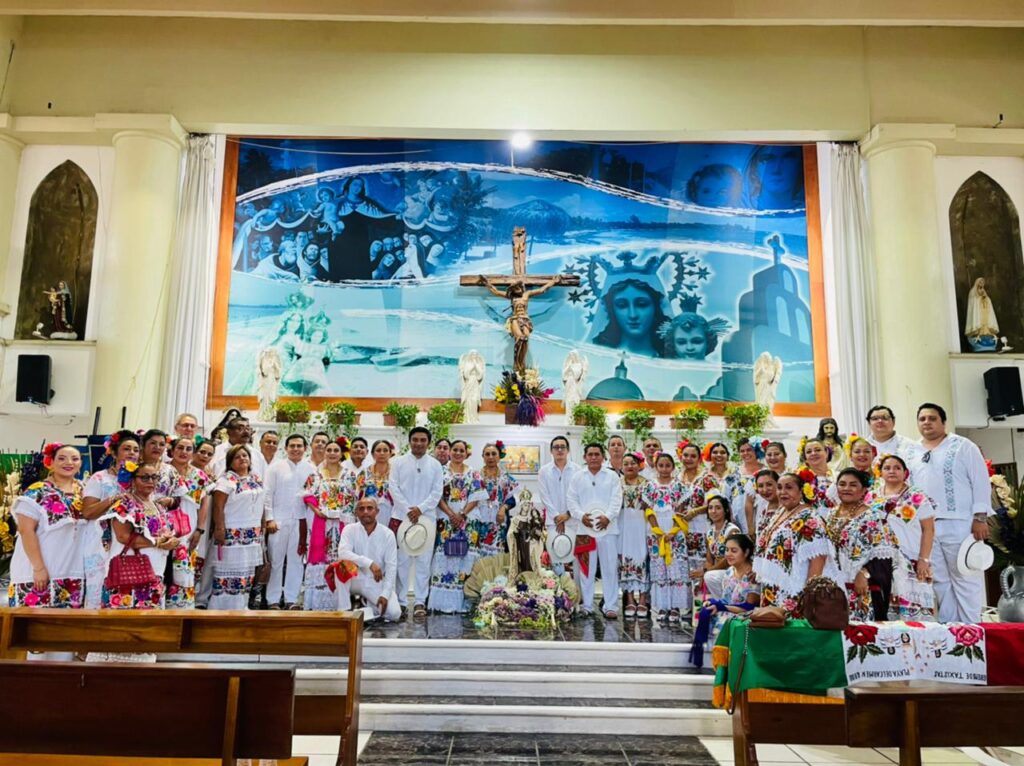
884	438
952	473
554	478
239	432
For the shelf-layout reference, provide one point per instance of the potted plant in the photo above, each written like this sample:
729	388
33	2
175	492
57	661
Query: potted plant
441	417
744	420
291	412
595	422
342	414
638	420
401	416
692	418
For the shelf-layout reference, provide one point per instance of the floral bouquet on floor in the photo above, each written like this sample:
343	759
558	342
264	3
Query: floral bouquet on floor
534	601
527	394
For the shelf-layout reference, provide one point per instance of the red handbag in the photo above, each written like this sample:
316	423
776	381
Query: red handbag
130	571
179	522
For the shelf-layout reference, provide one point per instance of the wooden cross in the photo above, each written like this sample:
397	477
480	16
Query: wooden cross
519	325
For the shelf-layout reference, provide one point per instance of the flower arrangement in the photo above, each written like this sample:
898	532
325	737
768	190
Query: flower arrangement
534	601
527	394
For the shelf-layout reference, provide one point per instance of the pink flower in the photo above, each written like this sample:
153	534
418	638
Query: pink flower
31	599
967	635
917	498
115	599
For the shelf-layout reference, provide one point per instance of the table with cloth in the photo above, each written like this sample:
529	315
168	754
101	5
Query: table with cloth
792	678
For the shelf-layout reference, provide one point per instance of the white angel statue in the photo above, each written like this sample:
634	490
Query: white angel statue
767	374
471	372
268	380
574	373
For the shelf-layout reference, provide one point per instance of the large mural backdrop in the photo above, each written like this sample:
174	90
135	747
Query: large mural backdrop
345	256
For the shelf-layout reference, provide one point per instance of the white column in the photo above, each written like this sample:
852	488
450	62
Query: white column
10	162
912	306
136	274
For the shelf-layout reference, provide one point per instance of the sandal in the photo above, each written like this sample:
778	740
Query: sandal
662	616
630	612
611	614
419	612
673	616
642	612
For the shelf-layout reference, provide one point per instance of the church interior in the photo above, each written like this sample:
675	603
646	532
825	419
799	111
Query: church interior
605	258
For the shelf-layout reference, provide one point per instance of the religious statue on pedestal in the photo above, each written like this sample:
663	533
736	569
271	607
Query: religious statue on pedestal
525	538
767	374
981	327
268	381
471	373
574	373
60	312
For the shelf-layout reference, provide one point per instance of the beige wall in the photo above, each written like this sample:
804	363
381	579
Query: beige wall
379	78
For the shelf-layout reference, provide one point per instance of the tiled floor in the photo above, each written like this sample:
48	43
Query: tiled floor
776	755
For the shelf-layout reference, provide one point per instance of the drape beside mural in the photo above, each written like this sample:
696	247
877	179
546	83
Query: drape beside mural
345	256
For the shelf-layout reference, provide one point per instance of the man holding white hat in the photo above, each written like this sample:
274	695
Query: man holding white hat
372	549
554	478
416	484
952	473
594	501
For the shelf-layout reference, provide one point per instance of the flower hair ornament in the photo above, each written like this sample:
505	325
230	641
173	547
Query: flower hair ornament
801	445
680	446
126	473
111	442
639	456
705	454
50	452
500	446
760	446
343	443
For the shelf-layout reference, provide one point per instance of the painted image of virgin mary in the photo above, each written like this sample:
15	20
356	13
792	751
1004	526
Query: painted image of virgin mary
630	311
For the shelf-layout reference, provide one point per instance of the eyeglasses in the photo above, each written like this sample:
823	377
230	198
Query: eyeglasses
147	476
559	446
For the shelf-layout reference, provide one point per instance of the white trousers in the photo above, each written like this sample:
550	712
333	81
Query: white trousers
607	554
714	581
283	546
960	598
364	585
421	587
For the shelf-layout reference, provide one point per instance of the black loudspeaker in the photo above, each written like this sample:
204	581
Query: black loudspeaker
33	379
1004	394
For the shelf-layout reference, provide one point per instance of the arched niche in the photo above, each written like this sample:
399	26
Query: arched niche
985	232
58	247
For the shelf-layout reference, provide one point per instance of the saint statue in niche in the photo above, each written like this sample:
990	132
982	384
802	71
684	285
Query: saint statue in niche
60	313
525	538
981	327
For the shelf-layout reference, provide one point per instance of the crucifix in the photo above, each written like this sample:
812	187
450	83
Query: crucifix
519	325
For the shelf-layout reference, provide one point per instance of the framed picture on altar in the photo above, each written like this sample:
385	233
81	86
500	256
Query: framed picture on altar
366	268
523	459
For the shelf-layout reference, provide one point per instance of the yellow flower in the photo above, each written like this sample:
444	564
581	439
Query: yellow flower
131	467
37	485
797	526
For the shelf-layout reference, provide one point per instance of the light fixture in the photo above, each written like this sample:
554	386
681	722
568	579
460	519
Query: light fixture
521	140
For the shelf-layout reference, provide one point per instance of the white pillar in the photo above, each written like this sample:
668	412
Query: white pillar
10	162
136	274
912	305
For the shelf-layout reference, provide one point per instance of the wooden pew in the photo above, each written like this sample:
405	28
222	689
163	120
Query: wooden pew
311	634
108	714
932	715
770	717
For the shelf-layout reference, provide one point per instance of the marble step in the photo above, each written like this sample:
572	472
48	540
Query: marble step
537	683
544	716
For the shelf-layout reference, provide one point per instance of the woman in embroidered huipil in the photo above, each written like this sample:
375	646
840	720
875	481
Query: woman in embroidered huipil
815	471
665	498
237	531
195	506
634	580
375	478
330	494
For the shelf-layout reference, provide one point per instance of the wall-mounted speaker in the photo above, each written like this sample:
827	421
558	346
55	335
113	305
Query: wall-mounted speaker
1004	393
33	384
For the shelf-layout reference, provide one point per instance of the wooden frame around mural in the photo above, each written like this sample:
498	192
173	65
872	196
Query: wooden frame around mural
822	407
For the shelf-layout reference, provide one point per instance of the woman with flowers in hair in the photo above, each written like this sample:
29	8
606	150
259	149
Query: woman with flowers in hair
374	480
665	501
912	517
102	491
751	453
139	524
793	546
867	550
463	492
195	509
697	483
237	506
330	494
490	517
815	471
634	580
47	567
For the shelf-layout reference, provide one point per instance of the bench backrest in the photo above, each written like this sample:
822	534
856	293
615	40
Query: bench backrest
139	710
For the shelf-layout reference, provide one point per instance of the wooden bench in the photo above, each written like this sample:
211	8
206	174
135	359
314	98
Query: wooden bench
311	634
106	713
933	715
782	718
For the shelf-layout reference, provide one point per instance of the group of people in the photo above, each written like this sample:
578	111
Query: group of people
668	533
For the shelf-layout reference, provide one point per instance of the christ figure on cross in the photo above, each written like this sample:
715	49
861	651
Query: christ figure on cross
519	325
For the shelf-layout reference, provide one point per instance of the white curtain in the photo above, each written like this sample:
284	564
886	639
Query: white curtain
855	290
187	343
